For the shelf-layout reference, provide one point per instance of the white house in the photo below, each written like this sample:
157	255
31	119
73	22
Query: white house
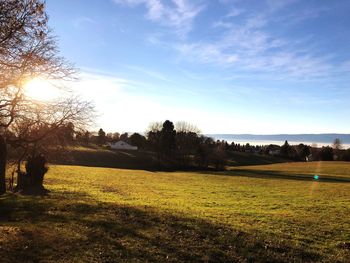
121	145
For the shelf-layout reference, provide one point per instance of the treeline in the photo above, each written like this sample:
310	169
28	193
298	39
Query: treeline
181	145
176	146
299	152
302	152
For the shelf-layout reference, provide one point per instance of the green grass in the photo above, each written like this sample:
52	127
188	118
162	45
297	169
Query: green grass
274	213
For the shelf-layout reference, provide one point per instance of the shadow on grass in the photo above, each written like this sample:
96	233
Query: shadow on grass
264	174
69	227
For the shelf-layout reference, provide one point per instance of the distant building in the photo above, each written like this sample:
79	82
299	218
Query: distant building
121	145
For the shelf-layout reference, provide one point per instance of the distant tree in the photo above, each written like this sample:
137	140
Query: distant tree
185	127
218	157
285	149
138	140
186	145
303	151
204	150
346	155
326	154
109	137
101	137
115	136
153	136
167	138
66	134
86	137
337	145
124	137
155	127
187	142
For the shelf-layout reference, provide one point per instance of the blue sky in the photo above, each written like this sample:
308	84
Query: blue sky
227	66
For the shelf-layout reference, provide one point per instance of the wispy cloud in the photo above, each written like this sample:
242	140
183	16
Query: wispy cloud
179	14
248	44
243	40
81	21
275	5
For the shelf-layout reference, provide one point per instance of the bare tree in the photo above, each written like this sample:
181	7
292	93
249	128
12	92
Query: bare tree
27	50
182	126
154	127
187	141
39	127
337	145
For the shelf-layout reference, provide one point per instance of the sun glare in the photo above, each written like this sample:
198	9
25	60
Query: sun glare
40	89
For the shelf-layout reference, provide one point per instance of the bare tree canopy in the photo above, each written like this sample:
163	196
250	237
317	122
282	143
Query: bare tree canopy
182	126
28	50
27	47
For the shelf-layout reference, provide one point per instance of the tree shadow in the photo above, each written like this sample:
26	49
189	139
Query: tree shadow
271	174
79	229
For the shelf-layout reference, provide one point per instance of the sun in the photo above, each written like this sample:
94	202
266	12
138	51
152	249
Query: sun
41	89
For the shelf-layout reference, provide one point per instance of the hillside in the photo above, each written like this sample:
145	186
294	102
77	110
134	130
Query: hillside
146	160
102	157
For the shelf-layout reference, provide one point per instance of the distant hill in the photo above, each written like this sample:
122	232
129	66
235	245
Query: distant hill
323	138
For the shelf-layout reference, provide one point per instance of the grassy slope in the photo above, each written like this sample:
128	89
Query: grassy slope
111	215
101	157
244	158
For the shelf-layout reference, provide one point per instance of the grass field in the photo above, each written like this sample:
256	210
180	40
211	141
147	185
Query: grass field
269	213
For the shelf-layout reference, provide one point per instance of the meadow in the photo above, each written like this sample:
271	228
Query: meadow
264	213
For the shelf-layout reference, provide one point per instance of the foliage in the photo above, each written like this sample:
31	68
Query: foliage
337	145
101	137
167	138
138	140
286	149
326	154
303	151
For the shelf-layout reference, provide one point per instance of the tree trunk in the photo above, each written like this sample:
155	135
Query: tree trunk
3	158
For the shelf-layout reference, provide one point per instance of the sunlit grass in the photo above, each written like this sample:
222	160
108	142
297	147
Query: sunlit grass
280	218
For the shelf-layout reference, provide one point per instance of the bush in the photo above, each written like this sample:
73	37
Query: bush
31	181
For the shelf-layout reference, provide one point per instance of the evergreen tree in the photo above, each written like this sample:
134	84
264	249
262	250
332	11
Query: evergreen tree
101	138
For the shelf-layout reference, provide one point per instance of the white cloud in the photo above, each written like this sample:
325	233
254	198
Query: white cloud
179	15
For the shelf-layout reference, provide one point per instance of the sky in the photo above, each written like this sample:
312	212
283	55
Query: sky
226	66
